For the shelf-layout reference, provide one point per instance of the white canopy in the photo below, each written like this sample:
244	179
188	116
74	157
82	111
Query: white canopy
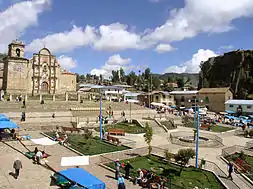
44	141
132	101
75	161
157	104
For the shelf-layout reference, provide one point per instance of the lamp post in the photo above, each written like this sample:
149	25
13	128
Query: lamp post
196	125
100	117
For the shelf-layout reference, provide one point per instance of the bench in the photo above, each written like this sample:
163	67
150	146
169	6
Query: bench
113	140
117	132
240	165
71	129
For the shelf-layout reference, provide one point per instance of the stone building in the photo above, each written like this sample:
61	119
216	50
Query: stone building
183	98
157	97
40	75
215	98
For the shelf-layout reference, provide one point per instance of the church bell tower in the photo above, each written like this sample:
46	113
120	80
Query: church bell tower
16	49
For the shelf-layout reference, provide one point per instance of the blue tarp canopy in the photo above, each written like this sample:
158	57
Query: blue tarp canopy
230	111
4	118
8	125
83	178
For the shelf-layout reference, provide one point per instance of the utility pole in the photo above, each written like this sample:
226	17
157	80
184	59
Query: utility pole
100	117
197	126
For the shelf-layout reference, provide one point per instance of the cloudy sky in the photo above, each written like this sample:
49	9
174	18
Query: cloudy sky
96	36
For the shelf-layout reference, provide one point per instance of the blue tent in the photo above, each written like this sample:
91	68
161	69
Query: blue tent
8	125
4	118
83	178
230	112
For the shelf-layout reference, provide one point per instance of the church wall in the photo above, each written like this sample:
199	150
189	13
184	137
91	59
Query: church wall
67	82
17	76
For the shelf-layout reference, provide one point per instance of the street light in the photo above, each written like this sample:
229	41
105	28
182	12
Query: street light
196	125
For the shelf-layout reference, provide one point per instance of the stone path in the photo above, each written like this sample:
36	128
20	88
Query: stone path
31	176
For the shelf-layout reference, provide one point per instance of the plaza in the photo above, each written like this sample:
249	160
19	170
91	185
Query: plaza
39	121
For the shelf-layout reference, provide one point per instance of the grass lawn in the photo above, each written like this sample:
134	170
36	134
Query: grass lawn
247	159
213	128
190	177
219	129
128	128
91	146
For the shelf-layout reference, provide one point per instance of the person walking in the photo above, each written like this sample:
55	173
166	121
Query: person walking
128	166
230	170
117	165
121	182
17	166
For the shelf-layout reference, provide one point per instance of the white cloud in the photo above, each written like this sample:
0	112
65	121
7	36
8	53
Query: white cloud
115	62
65	41
19	17
198	16
116	37
192	66
163	48
67	62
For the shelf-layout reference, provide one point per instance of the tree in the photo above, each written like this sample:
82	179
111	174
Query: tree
115	76
122	75
155	82
131	78
183	156
180	82
101	77
147	73
148	137
77	77
82	77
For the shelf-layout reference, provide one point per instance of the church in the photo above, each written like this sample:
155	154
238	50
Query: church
41	74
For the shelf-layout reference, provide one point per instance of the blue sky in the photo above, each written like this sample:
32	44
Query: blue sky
165	35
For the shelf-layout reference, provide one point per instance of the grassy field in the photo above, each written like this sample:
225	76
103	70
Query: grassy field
128	128
219	129
91	146
213	128
247	159
189	178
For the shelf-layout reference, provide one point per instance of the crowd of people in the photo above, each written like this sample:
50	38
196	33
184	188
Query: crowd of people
145	178
63	140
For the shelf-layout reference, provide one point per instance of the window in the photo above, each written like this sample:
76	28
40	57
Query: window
249	107
156	97
164	96
231	106
182	99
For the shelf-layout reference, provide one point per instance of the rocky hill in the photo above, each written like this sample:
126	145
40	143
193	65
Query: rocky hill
233	69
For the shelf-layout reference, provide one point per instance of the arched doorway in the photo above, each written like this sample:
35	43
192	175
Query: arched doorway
44	87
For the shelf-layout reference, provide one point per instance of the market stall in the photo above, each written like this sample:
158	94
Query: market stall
78	178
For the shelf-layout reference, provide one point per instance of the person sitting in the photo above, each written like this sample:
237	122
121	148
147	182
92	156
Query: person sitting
139	178
64	139
57	136
13	134
44	155
38	157
35	150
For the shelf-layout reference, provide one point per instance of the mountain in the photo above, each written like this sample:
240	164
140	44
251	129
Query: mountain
233	69
193	77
